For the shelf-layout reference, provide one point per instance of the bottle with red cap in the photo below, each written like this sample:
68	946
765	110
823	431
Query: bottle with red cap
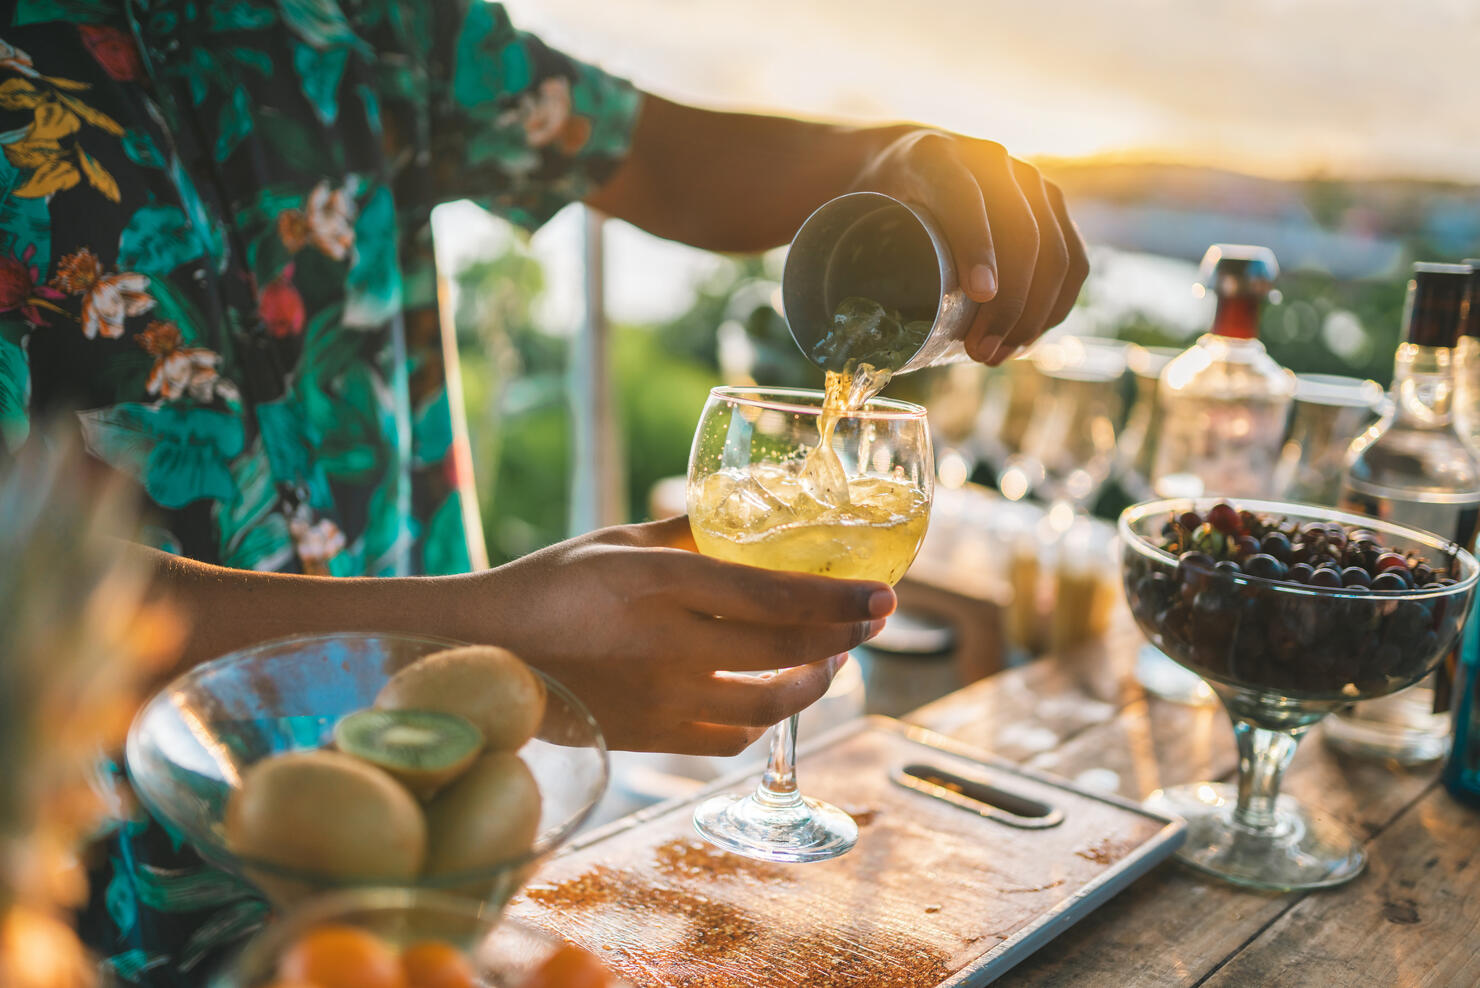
1225	401
1415	468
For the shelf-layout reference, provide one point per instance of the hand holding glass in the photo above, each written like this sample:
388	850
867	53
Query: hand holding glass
764	492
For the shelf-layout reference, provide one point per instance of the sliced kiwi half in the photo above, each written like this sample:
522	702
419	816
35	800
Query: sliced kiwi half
423	749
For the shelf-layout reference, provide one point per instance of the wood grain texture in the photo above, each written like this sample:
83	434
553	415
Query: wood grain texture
1174	927
931	889
1413	918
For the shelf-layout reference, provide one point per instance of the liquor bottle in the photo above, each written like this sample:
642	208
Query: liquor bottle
1224	401
1413	467
1462	768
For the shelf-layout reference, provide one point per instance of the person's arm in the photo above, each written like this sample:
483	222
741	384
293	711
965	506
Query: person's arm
637	625
741	182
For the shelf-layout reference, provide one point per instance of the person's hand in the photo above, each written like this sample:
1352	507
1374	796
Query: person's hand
1017	251
644	630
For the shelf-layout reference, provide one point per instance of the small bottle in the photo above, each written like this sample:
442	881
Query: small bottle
1413	467
1225	401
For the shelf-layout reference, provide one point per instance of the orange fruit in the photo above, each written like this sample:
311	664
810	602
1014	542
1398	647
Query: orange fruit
569	967
437	964
282	983
334	956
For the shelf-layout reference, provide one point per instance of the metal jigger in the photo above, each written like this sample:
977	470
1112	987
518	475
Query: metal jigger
872	245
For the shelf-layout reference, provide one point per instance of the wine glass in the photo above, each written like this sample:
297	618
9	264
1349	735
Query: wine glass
1281	655
765	491
1068	447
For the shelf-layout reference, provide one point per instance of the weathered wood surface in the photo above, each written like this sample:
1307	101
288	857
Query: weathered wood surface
930	892
1412	918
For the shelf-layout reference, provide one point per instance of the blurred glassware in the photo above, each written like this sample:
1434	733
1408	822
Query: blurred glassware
1330	411
1007	407
1135	448
952	395
1068	446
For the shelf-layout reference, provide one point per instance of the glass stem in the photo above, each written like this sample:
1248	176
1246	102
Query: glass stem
1263	756
778	786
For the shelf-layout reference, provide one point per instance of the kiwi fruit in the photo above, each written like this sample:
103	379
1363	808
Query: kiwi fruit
326	813
488	685
489	816
423	749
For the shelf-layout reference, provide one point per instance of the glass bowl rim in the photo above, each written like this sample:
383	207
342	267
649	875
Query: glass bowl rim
1314	512
808	401
446	882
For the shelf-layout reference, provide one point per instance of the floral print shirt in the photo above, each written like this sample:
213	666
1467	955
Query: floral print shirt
215	253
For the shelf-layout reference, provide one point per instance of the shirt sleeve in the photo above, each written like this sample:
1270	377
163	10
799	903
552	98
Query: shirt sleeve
514	124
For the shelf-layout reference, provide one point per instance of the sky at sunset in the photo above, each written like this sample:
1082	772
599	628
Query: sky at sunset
1285	87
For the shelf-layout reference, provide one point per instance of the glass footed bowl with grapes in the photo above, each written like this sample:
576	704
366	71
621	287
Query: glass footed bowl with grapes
1289	612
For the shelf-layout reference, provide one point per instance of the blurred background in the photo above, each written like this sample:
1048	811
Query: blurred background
1338	133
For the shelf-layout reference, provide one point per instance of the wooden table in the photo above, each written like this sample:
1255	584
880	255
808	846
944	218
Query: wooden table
1412	918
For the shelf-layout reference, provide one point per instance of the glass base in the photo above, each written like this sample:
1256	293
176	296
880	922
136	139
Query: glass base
1401	727
1305	849
809	830
1164	678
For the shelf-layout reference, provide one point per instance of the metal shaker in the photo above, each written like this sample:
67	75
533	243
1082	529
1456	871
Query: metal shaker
875	246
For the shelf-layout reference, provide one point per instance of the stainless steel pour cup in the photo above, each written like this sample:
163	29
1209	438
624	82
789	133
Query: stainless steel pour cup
875	246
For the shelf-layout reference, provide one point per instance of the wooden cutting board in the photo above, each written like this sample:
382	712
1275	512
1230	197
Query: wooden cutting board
936	893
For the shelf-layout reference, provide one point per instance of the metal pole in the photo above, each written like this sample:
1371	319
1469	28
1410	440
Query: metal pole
598	481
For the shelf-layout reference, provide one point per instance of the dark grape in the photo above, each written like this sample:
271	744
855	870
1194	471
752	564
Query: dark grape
1325	577
1189	520
1422	574
1264	566
1390	560
1276	545
1355	576
1389	581
1300	573
1224	518
1247	545
1193	562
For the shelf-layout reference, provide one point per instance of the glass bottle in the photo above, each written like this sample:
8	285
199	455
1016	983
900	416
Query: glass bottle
1413	467
1462	768
1223	406
1224	401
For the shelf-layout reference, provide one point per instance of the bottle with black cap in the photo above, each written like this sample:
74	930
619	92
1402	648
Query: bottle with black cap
1225	401
1414	467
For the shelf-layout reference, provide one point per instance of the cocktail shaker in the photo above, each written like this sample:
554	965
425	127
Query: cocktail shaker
874	246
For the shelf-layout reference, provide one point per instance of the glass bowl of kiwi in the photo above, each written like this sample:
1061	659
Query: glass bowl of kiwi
1289	612
322	762
398	937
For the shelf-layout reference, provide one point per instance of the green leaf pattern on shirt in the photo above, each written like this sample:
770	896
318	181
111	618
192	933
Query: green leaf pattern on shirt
215	250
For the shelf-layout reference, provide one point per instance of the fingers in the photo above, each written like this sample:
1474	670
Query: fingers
751	701
704	644
745	593
1049	266
1015	230
697	739
954	196
1039	257
1078	263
